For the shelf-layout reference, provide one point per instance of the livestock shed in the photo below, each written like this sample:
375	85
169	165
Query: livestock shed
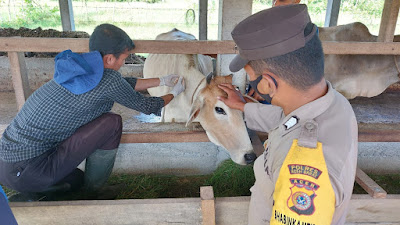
377	207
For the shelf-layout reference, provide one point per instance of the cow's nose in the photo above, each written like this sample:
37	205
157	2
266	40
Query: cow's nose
249	158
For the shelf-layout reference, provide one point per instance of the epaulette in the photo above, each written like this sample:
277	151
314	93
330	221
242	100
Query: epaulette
309	134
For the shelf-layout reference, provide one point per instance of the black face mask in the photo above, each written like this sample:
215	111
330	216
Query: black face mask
254	85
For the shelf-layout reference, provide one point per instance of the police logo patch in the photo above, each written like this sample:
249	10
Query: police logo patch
302	194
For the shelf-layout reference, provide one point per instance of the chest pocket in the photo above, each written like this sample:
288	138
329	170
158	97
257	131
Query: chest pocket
303	192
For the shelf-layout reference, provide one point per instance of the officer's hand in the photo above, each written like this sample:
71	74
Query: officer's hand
169	80
179	87
235	99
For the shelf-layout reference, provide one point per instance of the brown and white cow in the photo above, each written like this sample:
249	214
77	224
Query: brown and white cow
198	103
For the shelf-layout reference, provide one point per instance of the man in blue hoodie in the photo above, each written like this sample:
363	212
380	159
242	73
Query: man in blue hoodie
68	119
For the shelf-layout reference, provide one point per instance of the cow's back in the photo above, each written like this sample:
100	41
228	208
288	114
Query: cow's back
192	67
353	32
357	75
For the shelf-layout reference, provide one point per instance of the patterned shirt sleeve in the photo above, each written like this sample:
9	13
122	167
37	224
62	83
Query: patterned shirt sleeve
131	81
122	91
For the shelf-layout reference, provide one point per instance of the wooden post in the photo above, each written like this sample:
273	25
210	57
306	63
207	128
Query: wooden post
207	205
67	15
332	13
369	185
19	77
388	21
203	10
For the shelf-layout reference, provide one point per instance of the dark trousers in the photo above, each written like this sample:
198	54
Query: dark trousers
39	173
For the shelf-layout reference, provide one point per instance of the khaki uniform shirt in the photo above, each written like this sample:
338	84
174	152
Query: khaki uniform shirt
337	131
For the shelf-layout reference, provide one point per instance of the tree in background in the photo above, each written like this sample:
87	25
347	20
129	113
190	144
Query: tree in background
33	14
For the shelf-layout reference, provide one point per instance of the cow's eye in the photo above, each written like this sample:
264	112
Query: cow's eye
220	110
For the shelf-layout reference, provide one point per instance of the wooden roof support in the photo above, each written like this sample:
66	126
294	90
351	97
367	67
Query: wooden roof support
20	77
207	205
67	15
332	13
369	185
203	12
389	20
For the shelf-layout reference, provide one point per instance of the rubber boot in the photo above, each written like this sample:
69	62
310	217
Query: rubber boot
98	168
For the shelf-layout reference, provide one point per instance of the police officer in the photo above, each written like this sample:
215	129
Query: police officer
306	173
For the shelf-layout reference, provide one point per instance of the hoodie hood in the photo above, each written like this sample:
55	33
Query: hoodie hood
78	73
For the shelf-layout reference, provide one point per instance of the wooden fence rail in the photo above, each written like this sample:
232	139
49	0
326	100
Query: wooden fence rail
18	44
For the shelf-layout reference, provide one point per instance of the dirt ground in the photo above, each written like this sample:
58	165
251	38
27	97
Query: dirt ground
39	32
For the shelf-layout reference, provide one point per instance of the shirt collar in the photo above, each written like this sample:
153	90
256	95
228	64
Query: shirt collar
309	110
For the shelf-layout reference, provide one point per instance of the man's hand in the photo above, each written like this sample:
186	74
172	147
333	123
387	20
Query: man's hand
169	80
235	99
179	87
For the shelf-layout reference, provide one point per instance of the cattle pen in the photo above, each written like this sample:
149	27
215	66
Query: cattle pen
376	207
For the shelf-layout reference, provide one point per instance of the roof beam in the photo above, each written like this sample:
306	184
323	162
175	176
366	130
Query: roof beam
332	13
388	21
67	15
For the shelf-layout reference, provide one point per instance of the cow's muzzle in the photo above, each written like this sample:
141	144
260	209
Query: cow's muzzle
250	158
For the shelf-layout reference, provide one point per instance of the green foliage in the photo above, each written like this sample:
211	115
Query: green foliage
317	6
264	2
32	14
148	1
364	7
228	180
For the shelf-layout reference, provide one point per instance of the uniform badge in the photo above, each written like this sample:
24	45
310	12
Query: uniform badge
301	199
291	122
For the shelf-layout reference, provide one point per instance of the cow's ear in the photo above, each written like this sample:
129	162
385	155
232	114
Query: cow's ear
195	110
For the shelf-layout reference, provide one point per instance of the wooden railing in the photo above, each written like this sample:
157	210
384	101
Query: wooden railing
19	44
15	46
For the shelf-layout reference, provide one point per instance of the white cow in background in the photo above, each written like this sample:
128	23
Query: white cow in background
198	103
358	75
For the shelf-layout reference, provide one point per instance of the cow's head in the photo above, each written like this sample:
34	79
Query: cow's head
224	126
